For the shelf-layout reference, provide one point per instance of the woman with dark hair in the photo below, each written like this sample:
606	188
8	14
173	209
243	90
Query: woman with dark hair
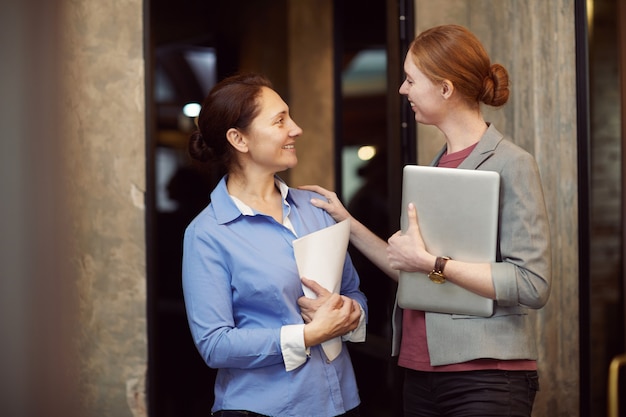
240	279
466	365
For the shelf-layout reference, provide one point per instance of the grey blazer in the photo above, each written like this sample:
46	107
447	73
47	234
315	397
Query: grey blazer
521	273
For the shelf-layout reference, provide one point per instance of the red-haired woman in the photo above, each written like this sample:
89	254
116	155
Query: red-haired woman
467	365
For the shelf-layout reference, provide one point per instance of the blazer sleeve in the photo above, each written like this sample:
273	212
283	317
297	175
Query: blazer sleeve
522	273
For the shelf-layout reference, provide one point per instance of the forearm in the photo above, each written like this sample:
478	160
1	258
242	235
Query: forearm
474	277
239	348
373	247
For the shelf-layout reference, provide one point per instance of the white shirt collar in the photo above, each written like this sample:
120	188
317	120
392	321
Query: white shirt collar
246	210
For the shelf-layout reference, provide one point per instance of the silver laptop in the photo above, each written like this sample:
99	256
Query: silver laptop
457	211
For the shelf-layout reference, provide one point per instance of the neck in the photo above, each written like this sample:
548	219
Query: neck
463	130
250	188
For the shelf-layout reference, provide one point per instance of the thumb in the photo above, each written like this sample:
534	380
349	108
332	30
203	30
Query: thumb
412	216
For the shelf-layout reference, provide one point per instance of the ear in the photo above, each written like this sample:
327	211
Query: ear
447	88
237	140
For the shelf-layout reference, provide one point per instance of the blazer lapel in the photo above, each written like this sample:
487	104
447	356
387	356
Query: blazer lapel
484	150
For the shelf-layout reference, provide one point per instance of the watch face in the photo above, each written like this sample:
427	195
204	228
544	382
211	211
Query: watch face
437	277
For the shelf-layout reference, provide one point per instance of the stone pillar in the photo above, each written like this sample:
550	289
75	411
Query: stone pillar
311	90
103	105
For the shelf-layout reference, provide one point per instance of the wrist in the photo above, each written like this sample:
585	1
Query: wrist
437	274
312	336
431	263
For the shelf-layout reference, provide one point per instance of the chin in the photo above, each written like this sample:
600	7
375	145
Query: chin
287	167
292	164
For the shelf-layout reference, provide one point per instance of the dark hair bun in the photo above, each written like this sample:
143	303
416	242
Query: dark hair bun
198	148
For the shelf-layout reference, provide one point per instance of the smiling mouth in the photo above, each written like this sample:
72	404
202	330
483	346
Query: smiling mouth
289	147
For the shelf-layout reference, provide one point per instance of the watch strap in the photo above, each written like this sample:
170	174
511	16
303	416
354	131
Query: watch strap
440	264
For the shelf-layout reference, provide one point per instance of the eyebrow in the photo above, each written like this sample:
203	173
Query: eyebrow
280	113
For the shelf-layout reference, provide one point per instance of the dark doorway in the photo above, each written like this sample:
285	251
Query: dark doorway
193	45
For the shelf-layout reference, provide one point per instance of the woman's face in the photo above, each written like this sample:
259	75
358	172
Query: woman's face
424	95
271	137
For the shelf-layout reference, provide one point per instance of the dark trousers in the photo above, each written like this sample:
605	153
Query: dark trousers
237	413
470	394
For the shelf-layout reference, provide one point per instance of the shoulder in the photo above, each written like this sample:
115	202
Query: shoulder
517	167
301	201
303	195
507	146
203	224
519	172
494	142
508	156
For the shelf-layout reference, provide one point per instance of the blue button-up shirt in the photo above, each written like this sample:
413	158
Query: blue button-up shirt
241	287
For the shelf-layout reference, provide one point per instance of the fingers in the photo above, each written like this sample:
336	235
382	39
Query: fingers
330	196
346	304
406	250
336	301
330	199
306	317
337	316
412	224
353	305
328	202
307	304
315	287
347	313
353	310
319	203
315	188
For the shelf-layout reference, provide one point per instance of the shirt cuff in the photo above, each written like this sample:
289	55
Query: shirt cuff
292	346
358	334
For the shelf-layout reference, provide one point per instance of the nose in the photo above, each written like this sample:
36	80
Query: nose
295	130
400	90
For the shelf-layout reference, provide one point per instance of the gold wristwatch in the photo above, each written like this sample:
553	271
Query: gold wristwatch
436	275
